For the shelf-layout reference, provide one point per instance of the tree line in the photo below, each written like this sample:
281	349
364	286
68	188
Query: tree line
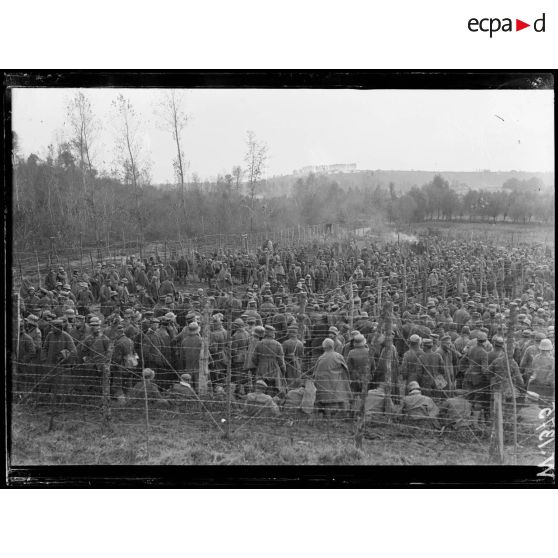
519	201
66	196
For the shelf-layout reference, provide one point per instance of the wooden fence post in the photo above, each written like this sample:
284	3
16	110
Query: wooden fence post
386	354
38	269
404	283
509	348
80	254
105	402
204	353
229	373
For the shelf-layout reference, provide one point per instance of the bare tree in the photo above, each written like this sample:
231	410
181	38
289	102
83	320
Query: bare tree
84	127
237	174
174	119
134	165
255	158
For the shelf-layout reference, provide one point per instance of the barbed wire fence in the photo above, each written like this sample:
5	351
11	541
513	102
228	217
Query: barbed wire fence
64	387
69	391
36	262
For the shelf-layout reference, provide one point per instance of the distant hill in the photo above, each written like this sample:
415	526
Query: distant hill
405	180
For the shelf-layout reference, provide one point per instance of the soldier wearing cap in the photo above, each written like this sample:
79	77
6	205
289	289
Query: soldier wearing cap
189	352
431	370
258	333
183	395
542	374
360	365
32	329
56	341
167	332
218	350
240	341
26	372
146	389
269	362
419	407
80	331
294	354
455	412
476	380
95	352
84	298
331	378
450	359
260	404
499	365
57	354
338	339
151	346
530	352
123	360
251	311
410	365
462	340
61	276
461	316
32	301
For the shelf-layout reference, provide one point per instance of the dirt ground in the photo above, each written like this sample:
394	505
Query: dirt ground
78	439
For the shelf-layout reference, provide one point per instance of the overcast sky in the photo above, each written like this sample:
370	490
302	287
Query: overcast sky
391	130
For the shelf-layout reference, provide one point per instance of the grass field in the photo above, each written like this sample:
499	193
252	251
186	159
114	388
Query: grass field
506	233
78	439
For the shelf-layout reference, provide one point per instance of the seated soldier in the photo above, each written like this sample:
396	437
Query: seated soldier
146	388
293	401
418	407
183	389
259	404
375	404
455	412
182	394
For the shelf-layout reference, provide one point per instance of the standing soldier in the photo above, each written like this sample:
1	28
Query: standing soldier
95	352
499	380
360	365
432	367
25	377
411	366
152	346
269	361
450	359
294	353
58	352
189	352
218	338
122	361
239	346
542	374
476	381
528	356
84	299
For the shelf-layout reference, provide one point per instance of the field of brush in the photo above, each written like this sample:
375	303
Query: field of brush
79	439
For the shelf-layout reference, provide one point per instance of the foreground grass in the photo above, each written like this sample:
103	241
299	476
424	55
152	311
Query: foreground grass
80	440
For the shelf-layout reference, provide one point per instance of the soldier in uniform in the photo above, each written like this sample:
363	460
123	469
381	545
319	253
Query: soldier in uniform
360	365
122	362
269	362
542	374
240	341
476	380
189	352
293	350
411	368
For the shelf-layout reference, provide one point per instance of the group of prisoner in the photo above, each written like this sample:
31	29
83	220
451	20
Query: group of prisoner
422	331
